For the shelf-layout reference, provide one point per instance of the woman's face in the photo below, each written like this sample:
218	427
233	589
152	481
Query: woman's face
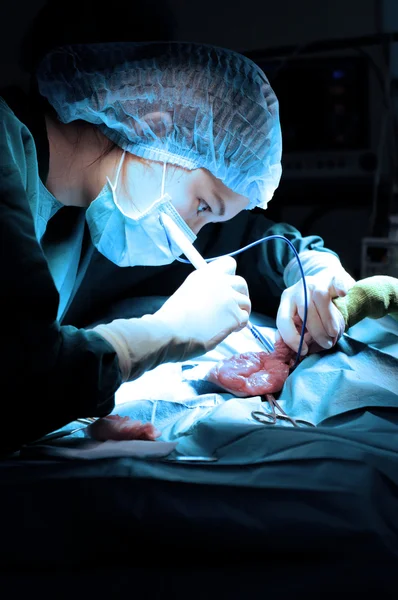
198	196
201	198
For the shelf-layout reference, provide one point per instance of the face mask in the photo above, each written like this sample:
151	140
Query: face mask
128	240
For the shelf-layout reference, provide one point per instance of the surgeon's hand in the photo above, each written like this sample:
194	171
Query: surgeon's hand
325	324
211	303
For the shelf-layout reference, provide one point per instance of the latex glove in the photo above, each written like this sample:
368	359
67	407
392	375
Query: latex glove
325	324
211	304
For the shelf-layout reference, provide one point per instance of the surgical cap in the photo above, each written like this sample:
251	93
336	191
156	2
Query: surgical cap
192	105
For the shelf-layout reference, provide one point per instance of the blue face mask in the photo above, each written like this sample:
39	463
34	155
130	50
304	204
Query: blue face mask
130	241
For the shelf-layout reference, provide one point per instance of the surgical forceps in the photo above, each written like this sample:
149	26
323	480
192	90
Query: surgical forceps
259	337
270	418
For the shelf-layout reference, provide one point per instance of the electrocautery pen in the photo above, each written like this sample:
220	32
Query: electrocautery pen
198	262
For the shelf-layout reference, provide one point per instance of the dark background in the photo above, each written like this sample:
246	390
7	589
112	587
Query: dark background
331	64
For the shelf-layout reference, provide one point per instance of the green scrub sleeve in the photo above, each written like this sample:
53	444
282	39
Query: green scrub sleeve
374	297
50	375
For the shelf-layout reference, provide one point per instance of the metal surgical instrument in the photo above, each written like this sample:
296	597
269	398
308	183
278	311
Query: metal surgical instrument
270	418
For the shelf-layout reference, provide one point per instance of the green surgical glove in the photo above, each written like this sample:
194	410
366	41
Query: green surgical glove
373	297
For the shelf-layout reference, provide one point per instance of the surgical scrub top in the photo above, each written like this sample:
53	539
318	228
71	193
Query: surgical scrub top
51	374
55	284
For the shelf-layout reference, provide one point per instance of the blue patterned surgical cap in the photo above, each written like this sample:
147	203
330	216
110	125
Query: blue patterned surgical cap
192	105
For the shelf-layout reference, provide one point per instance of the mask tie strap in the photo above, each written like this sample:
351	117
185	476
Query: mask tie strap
163	178
160	215
114	185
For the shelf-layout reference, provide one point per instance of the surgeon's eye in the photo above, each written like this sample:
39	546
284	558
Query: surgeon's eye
202	206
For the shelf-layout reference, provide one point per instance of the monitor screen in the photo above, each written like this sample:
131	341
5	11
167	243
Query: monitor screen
323	102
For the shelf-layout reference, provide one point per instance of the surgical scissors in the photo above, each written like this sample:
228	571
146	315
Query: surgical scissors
270	418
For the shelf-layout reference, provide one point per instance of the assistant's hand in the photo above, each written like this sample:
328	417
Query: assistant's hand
325	324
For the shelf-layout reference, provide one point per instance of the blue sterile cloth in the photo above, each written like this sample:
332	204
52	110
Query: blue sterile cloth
329	389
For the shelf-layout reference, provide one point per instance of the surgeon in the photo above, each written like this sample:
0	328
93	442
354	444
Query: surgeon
115	136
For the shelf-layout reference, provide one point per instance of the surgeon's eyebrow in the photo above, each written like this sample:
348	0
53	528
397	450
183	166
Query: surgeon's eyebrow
220	203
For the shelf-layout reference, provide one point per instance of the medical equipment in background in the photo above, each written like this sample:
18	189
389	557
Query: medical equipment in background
196	259
332	123
340	131
380	254
325	124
